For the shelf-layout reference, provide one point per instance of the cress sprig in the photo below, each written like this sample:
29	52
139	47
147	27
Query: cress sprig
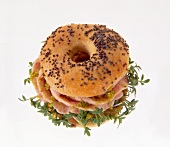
116	113
134	78
83	117
27	80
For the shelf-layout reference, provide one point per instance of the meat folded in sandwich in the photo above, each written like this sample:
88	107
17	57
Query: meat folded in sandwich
84	76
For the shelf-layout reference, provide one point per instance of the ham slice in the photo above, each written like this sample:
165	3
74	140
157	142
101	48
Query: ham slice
83	105
110	104
63	109
70	102
63	99
36	68
36	65
121	85
64	104
46	95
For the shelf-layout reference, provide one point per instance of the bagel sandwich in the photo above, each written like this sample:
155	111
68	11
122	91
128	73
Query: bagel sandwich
84	76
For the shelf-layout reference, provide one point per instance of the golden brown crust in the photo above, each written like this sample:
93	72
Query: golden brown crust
108	59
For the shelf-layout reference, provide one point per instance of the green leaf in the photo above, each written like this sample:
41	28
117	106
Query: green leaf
130	61
23	99
97	111
27	80
147	81
84	121
30	70
115	119
120	120
20	99
87	131
133	77
30	64
68	116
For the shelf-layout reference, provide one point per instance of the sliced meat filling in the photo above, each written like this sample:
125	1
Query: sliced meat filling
63	99
120	86
63	109
48	97
90	104
43	91
64	104
34	75
110	104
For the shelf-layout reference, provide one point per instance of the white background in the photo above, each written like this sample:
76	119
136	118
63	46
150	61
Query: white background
145	25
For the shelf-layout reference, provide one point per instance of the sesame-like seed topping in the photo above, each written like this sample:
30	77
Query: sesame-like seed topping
101	64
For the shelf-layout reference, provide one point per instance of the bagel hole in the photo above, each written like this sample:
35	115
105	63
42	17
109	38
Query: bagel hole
80	54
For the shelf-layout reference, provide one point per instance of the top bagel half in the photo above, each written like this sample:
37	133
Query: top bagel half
84	60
